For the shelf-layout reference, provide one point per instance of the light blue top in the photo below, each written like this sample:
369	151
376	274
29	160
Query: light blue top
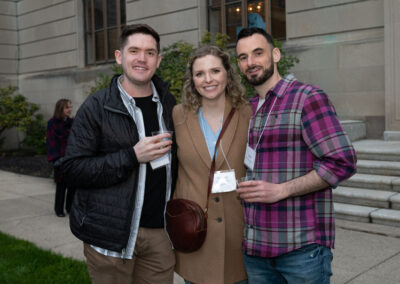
210	137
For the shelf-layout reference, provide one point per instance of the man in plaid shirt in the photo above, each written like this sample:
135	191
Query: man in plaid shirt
297	152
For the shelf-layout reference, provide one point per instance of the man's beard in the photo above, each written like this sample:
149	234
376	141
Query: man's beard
257	81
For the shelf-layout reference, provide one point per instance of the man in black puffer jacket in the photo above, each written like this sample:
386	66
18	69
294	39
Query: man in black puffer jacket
123	175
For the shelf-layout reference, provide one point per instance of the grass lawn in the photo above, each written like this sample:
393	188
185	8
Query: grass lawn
23	262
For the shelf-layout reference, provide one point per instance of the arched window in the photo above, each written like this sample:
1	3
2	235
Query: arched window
230	16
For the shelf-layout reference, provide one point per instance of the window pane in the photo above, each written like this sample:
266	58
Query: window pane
278	19
256	17
98	14
95	46
233	21
88	31
123	12
256	14
214	24
214	3
111	13
100	55
112	42
88	15
89	49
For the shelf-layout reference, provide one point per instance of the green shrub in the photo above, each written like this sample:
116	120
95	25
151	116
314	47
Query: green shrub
173	66
35	138
103	80
15	111
287	61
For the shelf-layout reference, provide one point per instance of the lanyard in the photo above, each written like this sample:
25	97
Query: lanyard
204	131
266	121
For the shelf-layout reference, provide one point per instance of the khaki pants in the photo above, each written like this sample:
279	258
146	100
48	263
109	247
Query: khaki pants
153	261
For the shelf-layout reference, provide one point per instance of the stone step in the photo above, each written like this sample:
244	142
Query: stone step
387	168
377	150
351	212
395	202
378	182
373	194
367	214
355	129
366	197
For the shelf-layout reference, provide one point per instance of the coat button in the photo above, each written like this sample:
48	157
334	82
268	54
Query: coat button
219	219
216	199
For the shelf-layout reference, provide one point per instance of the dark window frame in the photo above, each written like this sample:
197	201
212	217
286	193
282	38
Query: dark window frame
221	5
91	44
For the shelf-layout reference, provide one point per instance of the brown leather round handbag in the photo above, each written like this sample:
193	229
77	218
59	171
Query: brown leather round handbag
186	224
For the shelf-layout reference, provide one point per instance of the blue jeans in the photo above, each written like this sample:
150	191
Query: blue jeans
309	264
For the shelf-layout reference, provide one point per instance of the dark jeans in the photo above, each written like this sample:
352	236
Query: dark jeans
61	188
309	264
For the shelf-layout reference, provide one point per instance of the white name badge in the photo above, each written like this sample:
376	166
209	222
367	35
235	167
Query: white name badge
160	162
224	181
250	157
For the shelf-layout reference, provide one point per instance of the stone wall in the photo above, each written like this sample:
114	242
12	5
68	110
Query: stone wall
392	69
48	37
173	19
8	43
51	51
340	44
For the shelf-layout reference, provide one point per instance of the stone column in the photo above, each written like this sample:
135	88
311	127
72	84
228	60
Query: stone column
392	69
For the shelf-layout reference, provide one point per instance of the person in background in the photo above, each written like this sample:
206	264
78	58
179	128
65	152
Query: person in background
58	128
211	89
123	175
297	152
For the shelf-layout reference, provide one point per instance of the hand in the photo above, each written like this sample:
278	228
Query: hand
261	191
151	148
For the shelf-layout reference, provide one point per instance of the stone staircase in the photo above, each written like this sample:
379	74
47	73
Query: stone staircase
372	195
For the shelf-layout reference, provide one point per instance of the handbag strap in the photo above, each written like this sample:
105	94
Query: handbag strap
212	168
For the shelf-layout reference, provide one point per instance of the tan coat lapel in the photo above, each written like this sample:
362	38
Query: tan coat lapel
198	141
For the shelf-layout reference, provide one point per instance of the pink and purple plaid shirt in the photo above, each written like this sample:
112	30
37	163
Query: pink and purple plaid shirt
303	134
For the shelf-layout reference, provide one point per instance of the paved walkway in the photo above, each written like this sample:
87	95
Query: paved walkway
365	253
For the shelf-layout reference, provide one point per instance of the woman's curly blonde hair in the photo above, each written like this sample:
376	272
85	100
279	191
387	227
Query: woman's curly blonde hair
191	99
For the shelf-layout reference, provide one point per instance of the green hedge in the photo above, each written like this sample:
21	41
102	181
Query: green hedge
16	111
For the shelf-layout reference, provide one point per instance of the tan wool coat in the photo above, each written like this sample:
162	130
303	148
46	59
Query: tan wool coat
220	258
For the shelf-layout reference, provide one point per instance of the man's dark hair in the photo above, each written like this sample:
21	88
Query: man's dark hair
246	32
138	29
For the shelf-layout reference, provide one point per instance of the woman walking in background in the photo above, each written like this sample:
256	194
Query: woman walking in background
211	90
58	128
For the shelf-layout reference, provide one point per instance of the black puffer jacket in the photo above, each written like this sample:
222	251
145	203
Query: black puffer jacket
101	163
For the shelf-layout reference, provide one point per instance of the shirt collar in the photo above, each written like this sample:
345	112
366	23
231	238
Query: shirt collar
280	88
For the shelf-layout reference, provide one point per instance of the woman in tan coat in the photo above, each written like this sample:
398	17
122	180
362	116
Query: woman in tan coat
211	89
